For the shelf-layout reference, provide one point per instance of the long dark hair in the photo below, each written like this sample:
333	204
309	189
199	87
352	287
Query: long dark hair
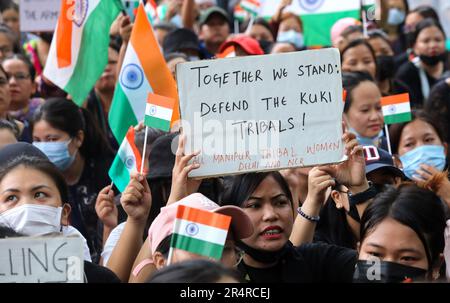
395	131
42	165
356	43
424	24
65	115
350	81
333	227
241	187
419	209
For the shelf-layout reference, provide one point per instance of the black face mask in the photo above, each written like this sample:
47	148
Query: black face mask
386	67
262	256
433	60
386	272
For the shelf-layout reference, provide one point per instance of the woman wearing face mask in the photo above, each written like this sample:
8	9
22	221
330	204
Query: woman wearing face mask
33	203
362	109
290	30
386	67
402	237
67	135
424	71
393	15
421	148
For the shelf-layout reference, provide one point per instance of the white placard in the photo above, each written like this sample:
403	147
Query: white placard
39	15
261	113
41	260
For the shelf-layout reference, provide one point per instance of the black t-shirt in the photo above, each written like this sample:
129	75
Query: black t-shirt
99	274
82	197
308	263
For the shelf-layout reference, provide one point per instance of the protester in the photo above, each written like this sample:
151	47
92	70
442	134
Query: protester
10	15
394	20
243	46
214	30
172	59
362	109
182	41
195	271
385	64
8	42
359	56
402	237
5	101
21	75
161	29
259	30
73	142
425	70
344	31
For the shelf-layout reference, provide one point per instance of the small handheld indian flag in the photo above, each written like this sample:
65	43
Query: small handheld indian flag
158	112
199	231
396	109
251	6
128	160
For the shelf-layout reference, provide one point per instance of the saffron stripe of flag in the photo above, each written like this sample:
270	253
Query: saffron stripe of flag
158	112
200	232
127	161
229	52
79	51
144	71
396	109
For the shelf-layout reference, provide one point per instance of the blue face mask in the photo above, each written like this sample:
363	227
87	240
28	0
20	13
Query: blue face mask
432	155
57	153
365	141
177	21
395	16
292	37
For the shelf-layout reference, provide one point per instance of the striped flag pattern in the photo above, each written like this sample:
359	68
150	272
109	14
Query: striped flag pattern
200	231
127	161
396	109
79	50
143	71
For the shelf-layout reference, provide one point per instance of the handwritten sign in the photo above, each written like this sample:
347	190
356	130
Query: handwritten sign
39	15
41	259
262	113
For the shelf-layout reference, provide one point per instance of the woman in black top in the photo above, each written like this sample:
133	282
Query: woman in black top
430	63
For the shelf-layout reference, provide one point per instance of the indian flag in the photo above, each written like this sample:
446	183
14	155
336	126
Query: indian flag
158	112
396	109
143	71
239	13
318	16
199	231
79	50
127	161
251	6
229	52
151	10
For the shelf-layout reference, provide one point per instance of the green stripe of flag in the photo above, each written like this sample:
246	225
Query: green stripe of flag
197	246
398	118
119	174
93	55
154	122
317	27
121	115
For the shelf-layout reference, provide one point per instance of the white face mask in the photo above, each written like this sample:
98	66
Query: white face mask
32	219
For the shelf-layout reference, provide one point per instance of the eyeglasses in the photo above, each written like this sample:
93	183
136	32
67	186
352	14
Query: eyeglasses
3	81
19	77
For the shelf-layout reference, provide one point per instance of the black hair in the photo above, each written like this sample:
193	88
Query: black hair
193	271
65	115
3	71
424	24
395	131
351	29
242	186
174	55
42	165
12	37
12	127
425	12
26	61
8	232
8	4
350	81
419	209
115	42
356	43
378	33
333	227
164	246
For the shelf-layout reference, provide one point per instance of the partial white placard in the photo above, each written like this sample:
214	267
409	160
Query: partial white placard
41	260
39	15
261	113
